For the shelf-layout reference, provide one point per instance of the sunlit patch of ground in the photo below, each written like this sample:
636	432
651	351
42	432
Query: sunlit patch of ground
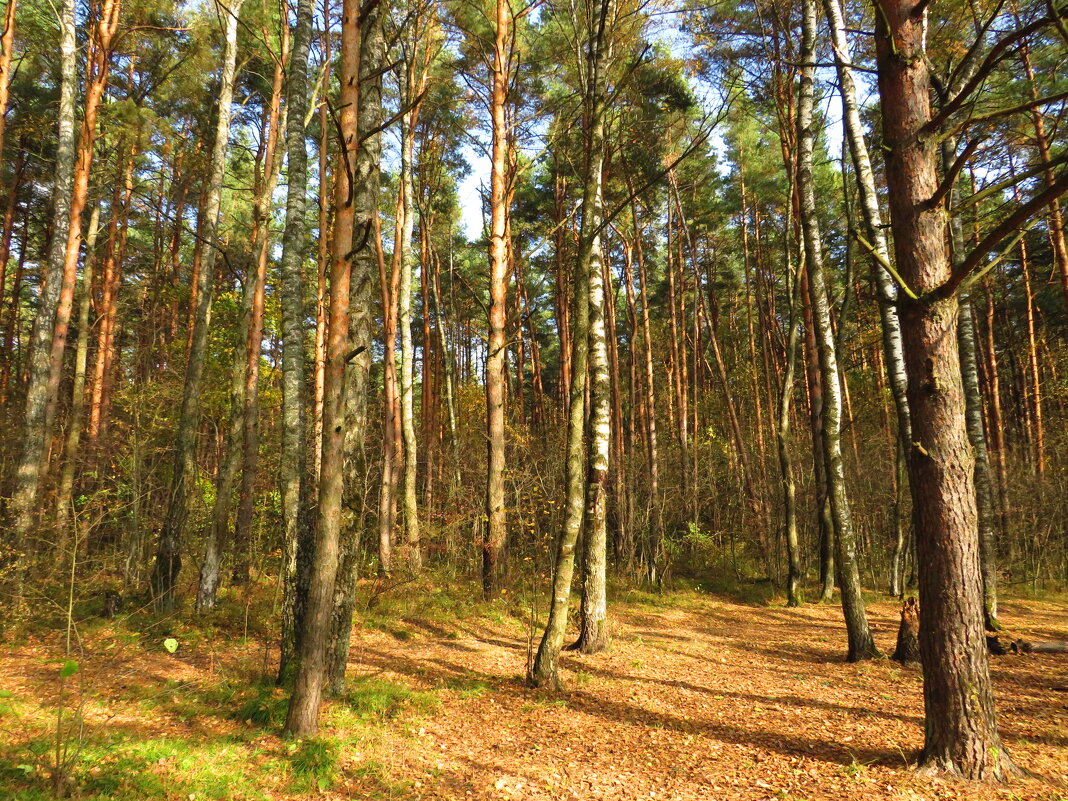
697	698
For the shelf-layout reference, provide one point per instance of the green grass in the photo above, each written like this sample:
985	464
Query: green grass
377	700
466	686
314	762
117	765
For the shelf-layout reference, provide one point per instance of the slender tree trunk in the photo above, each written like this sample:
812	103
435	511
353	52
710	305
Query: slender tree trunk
544	670
1038	425
97	68
654	557
984	497
302	719
295	455
593	611
861	644
390	455
493	567
794	596
960	729
77	408
9	218
168	554
404	303
323	249
873	221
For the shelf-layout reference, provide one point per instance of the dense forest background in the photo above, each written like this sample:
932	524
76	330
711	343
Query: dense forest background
315	297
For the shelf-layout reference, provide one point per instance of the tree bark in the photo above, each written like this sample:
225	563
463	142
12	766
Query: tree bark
960	729
500	66
302	719
35	434
295	455
861	644
366	180
544	670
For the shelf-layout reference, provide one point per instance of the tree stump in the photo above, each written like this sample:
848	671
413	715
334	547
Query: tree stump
908	634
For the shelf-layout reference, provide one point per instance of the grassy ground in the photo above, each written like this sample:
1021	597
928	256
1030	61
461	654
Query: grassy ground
698	697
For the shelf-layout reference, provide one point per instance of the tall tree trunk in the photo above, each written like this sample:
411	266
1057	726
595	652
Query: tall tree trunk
544	669
366	178
168	554
794	576
75	422
323	250
493	567
593	611
873	221
960	730
409	498
861	645
302	719
654	557
295	457
34	432
97	68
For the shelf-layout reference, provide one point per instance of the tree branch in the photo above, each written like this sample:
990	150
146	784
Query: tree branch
1023	213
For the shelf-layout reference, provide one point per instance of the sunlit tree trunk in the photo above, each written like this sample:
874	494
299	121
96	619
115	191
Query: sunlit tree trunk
493	567
366	184
7	42
544	670
409	498
302	719
23	508
244	369
960	730
861	644
295	455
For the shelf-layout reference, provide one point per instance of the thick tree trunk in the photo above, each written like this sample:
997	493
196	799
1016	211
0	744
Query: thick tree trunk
302	719
295	455
861	645
34	432
168	554
366	178
960	732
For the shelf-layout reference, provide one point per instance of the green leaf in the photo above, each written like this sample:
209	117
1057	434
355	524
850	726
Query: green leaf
171	645
6	694
70	667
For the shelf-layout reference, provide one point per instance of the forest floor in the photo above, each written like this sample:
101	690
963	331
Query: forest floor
697	698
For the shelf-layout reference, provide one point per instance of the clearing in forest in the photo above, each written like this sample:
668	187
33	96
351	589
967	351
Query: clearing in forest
698	698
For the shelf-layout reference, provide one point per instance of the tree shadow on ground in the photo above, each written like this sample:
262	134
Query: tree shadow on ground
788	743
